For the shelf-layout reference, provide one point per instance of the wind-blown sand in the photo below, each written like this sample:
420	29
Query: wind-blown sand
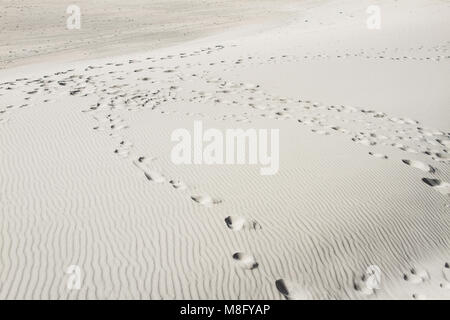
86	176
37	32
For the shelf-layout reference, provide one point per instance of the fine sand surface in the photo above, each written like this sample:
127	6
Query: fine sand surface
86	176
34	31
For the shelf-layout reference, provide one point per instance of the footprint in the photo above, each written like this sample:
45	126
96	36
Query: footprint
446	271
321	132
421	273
150	174
122	152
124	149
441	157
416	276
441	187
365	142
419	296
205	200
245	260
118	127
291	290
237	223
419	165
445	285
177	184
408	149
378	155
154	176
369	281
445	143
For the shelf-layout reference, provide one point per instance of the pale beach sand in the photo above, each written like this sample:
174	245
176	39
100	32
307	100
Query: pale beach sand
37	31
86	176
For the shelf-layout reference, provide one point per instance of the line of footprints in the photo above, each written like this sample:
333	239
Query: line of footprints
113	124
403	134
290	290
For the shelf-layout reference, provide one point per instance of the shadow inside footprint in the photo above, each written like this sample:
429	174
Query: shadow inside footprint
441	187
177	184
416	276
150	174
237	223
419	165
281	286
431	182
205	200
378	155
419	296
292	291
154	176
446	271
245	260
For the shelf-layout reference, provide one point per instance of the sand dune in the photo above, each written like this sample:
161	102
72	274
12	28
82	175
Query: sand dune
86	177
37	33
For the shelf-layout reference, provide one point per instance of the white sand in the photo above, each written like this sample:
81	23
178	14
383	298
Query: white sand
364	163
37	32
